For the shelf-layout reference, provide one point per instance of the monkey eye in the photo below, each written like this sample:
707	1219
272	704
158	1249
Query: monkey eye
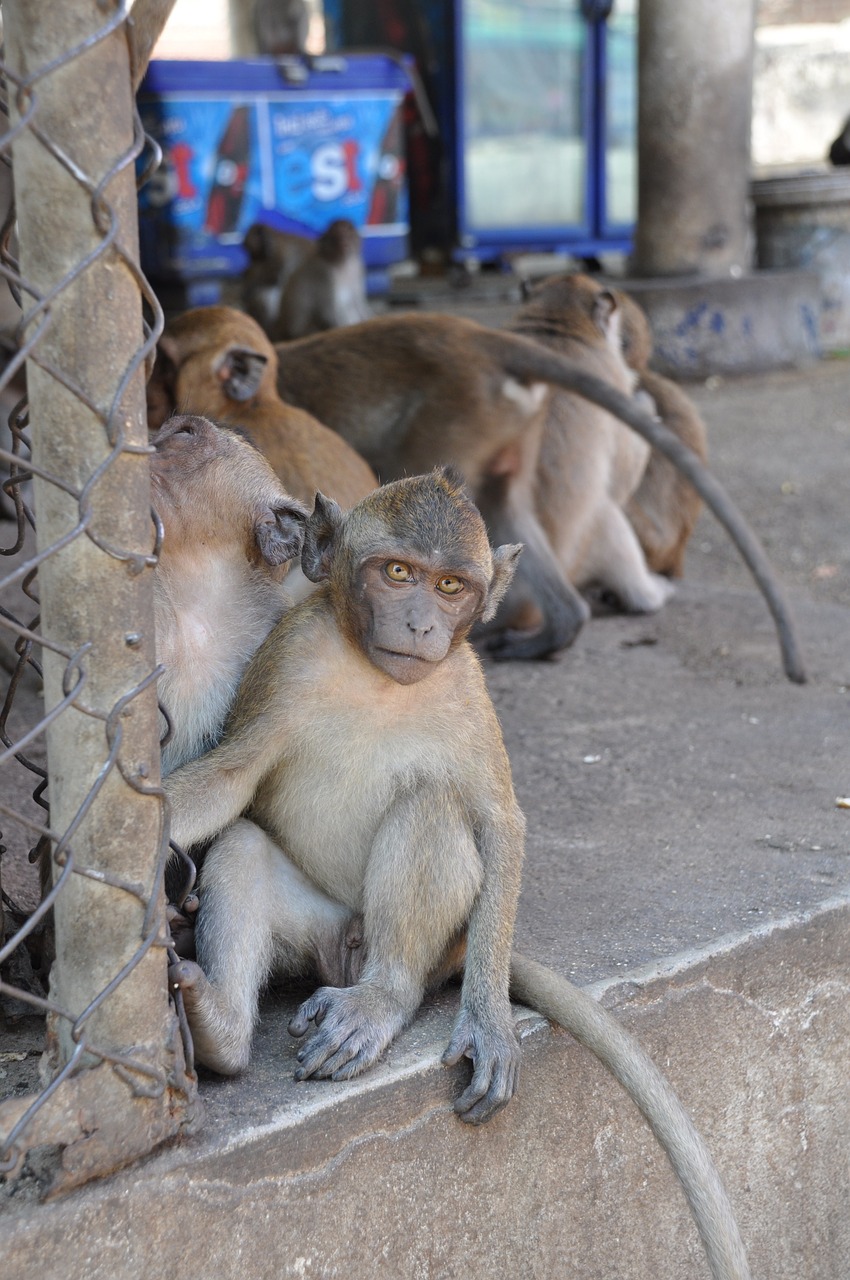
398	571
449	585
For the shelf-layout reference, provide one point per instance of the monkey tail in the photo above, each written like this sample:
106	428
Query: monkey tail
536	362
595	1028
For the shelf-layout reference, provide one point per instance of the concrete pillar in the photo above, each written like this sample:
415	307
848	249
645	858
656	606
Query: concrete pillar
695	70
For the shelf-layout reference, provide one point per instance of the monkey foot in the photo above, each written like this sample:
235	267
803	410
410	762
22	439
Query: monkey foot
221	1037
353	1028
181	925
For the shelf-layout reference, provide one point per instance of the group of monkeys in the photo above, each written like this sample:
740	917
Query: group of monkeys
339	758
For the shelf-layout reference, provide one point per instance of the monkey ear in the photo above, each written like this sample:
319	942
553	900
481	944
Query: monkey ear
606	313
280	532
504	563
455	478
322	528
240	372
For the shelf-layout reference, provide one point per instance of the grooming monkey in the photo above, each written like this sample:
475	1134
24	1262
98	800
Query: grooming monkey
229	530
274	255
664	508
346	746
412	391
327	289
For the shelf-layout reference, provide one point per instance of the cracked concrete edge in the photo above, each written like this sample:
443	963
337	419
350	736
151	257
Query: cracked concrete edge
616	990
647	984
524	1196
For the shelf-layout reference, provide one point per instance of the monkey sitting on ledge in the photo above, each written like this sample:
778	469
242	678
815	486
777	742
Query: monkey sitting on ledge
363	741
346	747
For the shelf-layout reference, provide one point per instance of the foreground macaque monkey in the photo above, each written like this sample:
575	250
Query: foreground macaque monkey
412	391
364	742
217	361
327	289
664	508
229	531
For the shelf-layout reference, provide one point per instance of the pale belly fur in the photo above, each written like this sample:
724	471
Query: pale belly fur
325	805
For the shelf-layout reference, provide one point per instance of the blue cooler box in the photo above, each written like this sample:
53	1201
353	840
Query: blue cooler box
290	145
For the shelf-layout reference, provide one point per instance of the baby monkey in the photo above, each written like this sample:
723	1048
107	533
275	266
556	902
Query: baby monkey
364	742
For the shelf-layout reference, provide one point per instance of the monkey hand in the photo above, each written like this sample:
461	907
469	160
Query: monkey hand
354	1027
495	1053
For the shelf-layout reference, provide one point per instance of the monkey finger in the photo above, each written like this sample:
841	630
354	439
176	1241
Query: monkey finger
491	1089
312	1010
323	1048
460	1046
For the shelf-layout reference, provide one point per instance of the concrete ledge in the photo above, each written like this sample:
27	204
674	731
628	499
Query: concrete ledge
764	320
379	1178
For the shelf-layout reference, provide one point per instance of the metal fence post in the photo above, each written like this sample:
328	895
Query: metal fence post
73	154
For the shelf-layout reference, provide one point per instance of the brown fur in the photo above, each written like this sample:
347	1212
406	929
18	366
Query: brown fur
665	507
590	462
385	799
193	373
410	391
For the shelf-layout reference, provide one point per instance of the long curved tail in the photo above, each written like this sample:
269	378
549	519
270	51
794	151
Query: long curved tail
595	1028
527	360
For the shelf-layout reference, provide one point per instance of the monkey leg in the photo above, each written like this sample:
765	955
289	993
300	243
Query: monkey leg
539	584
421	881
614	560
259	915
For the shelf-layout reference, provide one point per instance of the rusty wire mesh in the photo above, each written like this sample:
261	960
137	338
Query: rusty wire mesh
130	947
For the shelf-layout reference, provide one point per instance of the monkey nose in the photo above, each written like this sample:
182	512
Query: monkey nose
420	628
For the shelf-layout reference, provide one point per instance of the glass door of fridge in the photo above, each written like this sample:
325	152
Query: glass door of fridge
525	120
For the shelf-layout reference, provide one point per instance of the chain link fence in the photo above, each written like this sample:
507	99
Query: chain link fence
80	795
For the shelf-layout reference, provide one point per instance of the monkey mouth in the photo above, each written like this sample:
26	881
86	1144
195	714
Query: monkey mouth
404	668
407	657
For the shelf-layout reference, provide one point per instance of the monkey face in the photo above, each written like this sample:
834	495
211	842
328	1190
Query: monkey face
410	612
211	487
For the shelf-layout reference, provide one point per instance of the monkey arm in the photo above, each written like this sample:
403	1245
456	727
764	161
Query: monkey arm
209	793
485	1030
